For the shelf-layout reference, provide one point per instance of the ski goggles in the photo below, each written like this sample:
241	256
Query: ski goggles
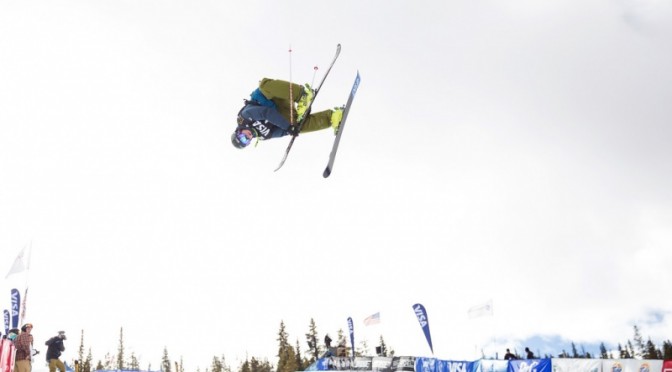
242	138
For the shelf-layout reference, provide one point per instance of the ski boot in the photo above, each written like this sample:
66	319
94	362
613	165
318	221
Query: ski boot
304	101
336	117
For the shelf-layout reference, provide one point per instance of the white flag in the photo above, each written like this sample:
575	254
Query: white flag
481	310
18	265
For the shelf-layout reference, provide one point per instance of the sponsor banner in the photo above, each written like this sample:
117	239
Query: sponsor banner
382	364
490	365
421	314
351	330
362	364
576	365
667	366
350	364
425	364
16	303
631	365
404	363
332	364
413	364
453	366
530	365
6	314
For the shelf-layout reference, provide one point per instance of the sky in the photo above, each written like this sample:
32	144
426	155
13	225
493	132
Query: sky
509	151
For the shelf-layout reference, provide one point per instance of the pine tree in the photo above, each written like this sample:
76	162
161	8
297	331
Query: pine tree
287	363
120	350
225	366
311	339
638	349
165	361
134	364
603	351
631	350
80	352
283	342
299	360
667	350
575	353
216	365
109	364
383	347
245	367
650	351
584	353
286	354
100	366
88	363
340	337
257	366
362	349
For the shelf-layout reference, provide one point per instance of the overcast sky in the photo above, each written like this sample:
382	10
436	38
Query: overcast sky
517	151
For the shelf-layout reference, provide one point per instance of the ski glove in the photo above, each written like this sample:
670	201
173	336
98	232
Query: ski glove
293	130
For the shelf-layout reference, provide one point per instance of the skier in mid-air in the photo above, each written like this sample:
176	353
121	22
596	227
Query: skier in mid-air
270	113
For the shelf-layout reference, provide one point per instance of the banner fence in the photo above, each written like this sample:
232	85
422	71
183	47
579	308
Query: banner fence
418	364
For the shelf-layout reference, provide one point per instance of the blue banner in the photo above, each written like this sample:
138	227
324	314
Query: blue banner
16	304
413	364
351	329
524	365
438	365
421	313
490	365
6	313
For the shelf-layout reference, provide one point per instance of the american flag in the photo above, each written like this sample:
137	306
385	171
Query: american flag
372	319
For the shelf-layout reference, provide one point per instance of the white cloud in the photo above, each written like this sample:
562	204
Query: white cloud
514	152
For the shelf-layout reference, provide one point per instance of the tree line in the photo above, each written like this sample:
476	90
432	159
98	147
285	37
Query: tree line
636	348
291	358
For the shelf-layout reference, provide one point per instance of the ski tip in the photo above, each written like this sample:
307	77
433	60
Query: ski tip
327	172
280	165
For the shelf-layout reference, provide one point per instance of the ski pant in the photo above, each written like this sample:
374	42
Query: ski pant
22	366
56	363
278	92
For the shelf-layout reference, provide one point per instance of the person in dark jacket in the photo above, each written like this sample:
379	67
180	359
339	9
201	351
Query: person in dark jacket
270	113
508	356
54	349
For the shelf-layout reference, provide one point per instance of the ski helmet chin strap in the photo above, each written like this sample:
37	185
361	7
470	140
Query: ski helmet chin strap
256	136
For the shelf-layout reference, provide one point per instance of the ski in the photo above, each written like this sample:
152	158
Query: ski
310	105
337	140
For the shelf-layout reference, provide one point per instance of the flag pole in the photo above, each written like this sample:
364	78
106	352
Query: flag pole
25	291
